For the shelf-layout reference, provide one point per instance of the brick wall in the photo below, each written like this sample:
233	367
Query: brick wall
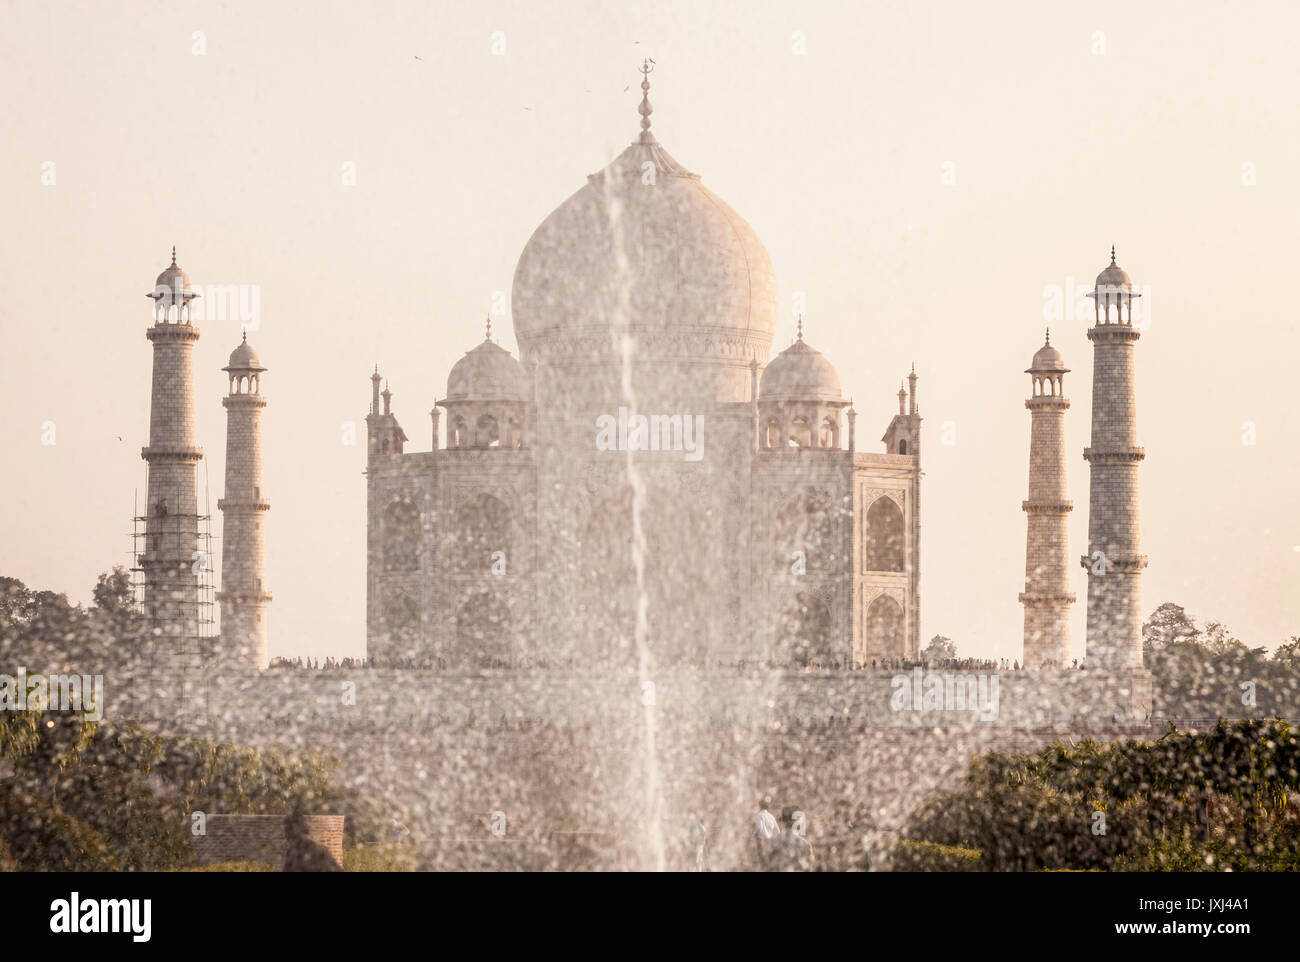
261	838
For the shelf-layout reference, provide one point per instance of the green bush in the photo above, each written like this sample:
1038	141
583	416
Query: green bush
1219	854
230	867
911	856
7	861
379	858
1188	801
44	838
146	832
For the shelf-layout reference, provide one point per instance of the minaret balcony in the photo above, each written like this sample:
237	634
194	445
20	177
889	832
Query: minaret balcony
243	597
1113	332
172	454
1047	401
1046	599
172	331
1125	563
243	401
1114	455
1046	507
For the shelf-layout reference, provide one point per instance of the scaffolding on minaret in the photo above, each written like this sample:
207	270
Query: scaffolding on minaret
196	639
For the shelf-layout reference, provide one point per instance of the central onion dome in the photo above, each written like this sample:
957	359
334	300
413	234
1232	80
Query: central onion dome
645	249
488	372
800	373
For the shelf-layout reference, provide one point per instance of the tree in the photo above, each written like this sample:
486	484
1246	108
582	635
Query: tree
15	603
1186	799
113	592
1168	624
940	648
1288	655
1218	640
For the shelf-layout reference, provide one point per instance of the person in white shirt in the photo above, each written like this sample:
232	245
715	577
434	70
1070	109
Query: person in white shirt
791	851
766	830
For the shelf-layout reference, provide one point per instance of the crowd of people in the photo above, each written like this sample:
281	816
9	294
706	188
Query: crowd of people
569	664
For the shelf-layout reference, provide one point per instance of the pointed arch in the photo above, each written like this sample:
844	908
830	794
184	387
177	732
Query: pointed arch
401	536
800	432
483	627
804	631
885	543
885	629
807	523
483	526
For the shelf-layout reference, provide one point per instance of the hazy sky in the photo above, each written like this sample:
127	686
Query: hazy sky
1167	129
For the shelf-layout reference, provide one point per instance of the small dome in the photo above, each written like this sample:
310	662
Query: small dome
172	285
488	373
1114	279
244	358
1047	360
173	279
800	374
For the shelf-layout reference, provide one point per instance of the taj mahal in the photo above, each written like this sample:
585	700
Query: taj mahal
667	471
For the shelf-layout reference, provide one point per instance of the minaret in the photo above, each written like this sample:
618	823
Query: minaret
243	596
914	568
171	560
384	435
1114	560
1047	597
903	437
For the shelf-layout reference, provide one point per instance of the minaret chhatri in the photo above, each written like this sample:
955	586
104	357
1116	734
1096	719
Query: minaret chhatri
171	560
243	596
1047	596
1114	560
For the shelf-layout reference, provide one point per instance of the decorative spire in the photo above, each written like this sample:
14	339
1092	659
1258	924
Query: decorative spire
799	335
488	335
173	255
645	110
245	336
1112	255
1049	335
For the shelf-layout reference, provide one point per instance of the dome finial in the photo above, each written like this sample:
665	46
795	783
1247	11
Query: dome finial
645	110
173	255
799	335
245	335
488	335
1049	335
1112	255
